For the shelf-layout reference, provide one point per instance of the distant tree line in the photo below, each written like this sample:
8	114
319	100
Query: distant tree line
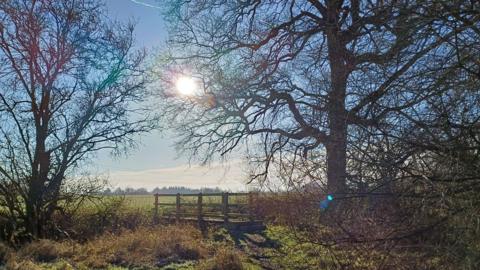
163	190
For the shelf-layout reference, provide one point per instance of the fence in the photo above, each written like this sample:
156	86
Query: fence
223	207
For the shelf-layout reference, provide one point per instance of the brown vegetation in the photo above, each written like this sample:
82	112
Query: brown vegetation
105	215
157	246
225	258
145	247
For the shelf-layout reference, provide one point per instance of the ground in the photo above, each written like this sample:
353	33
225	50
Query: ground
172	247
121	234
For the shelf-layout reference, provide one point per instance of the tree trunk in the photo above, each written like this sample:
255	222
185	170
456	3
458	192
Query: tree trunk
336	160
337	145
40	170
33	220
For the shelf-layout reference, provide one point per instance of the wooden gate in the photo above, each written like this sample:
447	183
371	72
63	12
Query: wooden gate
210	207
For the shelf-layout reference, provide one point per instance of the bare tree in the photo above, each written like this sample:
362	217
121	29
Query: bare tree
304	80
380	98
71	85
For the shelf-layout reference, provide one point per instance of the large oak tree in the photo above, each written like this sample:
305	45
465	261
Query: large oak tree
308	80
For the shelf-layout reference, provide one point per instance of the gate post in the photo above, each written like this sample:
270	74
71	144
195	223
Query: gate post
177	204
199	208
225	207
251	212
155	214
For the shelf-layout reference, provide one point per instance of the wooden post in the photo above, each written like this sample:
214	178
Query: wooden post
155	215
178	208
250	206
225	207
199	208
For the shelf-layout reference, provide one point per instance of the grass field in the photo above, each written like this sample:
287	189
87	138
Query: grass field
211	205
139	201
147	201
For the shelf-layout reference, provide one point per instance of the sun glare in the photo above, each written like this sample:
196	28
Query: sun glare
186	86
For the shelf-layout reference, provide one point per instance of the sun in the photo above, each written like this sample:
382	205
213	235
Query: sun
186	86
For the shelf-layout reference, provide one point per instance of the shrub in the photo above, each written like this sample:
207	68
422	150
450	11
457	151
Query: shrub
224	259
286	208
5	252
221	235
47	250
23	265
107	214
145	246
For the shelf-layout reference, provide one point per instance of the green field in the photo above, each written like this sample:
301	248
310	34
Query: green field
211	205
147	201
139	201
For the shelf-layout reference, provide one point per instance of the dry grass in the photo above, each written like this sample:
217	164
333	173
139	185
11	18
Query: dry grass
110	215
224	259
144	247
5	252
46	250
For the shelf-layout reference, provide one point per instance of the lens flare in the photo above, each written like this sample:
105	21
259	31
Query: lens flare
324	203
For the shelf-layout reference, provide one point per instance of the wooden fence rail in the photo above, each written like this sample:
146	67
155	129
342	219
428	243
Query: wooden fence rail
238	206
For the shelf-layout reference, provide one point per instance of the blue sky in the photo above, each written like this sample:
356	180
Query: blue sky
154	150
155	162
150	30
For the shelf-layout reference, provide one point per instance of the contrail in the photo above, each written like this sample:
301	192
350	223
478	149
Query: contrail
145	4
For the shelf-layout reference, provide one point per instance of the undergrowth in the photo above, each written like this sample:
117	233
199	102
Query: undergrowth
162	247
